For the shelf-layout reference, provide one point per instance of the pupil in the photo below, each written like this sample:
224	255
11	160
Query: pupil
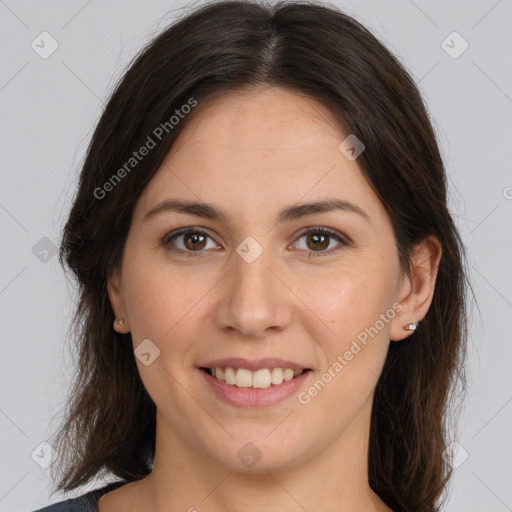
194	238
316	239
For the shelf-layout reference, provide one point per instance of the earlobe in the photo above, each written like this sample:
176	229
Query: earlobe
116	298
418	289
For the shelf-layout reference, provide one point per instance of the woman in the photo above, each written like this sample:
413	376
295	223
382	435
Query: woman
272	290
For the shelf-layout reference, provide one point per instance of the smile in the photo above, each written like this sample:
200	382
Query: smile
258	379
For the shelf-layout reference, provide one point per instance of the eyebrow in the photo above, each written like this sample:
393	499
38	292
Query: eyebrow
288	214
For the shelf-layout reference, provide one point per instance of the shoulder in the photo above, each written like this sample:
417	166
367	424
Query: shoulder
62	506
87	502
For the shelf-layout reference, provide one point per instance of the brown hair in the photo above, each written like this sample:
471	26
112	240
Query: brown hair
309	49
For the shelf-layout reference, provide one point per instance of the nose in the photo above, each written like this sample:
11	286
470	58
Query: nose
254	298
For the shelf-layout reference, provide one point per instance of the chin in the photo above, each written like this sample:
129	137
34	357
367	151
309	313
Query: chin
253	454
262	466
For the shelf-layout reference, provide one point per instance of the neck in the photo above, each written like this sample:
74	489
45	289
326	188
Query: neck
335	479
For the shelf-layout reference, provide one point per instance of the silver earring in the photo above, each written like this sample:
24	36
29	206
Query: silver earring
120	321
411	327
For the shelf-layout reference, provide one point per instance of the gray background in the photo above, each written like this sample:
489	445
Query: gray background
49	108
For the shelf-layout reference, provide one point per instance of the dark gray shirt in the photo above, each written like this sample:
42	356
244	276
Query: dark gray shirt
84	503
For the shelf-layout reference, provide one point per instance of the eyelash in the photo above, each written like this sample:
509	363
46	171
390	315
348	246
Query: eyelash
166	241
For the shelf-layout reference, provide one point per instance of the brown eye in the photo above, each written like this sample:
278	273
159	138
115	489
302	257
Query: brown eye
194	241
317	240
190	240
186	241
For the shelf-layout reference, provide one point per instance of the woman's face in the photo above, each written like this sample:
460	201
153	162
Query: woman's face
252	290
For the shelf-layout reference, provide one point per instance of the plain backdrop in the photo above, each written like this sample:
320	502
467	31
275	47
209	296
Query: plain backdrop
49	106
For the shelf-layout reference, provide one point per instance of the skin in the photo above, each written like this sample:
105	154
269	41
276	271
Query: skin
253	153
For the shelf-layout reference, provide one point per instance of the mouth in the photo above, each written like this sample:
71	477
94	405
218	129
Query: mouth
249	383
262	378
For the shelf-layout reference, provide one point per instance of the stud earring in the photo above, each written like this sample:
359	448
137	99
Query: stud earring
121	321
411	327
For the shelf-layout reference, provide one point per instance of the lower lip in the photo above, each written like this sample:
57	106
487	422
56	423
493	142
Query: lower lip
250	397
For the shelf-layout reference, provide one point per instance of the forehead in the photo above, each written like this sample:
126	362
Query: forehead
270	118
251	149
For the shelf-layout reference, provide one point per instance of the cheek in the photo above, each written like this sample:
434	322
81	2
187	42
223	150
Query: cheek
348	301
163	306
353	314
353	350
163	302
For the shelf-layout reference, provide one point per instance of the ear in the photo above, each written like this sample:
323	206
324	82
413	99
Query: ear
417	289
115	294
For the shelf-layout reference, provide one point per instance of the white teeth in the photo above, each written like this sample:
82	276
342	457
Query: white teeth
230	376
288	374
277	376
259	379
243	378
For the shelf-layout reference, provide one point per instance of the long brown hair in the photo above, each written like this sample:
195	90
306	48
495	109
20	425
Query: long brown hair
311	49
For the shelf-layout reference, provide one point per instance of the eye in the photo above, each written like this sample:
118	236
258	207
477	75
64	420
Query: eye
194	240
319	240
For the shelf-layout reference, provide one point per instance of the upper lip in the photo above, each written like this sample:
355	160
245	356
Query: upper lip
253	364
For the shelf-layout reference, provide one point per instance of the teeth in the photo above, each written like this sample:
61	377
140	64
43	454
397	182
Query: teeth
277	376
259	379
243	378
288	374
229	376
